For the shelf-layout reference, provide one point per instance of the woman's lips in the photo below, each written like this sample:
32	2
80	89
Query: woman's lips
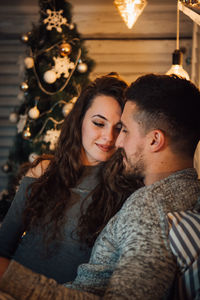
105	148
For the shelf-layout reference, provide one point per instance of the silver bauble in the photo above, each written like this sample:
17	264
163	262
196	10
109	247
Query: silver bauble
34	112
82	67
13	117
50	76
29	62
32	157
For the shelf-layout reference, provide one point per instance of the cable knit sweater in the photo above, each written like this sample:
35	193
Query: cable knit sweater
131	258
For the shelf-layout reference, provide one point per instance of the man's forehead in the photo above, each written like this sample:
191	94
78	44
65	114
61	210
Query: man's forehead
130	105
128	112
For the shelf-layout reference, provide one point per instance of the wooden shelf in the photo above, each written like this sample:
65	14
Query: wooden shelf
192	12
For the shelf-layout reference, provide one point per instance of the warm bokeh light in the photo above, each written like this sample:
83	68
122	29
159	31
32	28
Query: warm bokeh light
179	71
130	10
177	68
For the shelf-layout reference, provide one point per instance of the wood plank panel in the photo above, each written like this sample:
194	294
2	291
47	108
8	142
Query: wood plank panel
134	58
101	19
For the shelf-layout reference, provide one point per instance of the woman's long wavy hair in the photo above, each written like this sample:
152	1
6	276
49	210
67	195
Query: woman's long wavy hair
48	197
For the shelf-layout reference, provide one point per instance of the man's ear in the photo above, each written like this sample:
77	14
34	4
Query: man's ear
157	140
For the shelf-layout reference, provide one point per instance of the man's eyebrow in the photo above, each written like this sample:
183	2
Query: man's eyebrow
100	116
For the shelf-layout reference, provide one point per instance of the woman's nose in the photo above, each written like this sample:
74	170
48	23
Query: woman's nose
109	135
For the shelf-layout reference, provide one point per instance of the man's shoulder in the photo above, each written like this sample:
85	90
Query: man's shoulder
179	184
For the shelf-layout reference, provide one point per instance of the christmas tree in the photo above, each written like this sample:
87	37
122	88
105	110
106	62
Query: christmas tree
56	69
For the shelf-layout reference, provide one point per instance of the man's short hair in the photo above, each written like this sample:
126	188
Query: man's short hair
171	104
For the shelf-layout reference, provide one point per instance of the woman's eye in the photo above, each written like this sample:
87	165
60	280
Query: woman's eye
98	124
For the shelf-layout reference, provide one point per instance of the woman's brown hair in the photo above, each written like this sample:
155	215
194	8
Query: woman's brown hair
48	197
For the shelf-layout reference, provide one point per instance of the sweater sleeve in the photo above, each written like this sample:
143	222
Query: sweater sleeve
145	268
12	229
22	284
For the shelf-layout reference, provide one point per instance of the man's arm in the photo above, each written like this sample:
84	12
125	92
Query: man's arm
146	267
22	284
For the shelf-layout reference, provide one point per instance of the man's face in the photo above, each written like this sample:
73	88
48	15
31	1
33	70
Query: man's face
133	141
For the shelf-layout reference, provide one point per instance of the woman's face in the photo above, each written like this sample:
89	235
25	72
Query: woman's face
100	129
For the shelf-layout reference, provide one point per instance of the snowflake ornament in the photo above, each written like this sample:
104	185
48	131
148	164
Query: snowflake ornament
55	20
52	136
62	66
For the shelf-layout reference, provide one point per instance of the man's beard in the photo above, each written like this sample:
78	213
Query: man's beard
134	170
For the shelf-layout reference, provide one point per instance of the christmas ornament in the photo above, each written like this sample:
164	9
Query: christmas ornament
62	66
27	134
3	193
25	37
50	76
29	62
21	123
51	137
32	157
13	117
24	86
34	112
65	49
67	108
71	26
74	99
82	67
20	96
55	20
6	168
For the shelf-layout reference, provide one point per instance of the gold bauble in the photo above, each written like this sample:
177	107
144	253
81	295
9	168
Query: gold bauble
25	37
24	86
65	49
27	134
67	108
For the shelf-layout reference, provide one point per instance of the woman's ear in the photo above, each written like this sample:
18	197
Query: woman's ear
157	140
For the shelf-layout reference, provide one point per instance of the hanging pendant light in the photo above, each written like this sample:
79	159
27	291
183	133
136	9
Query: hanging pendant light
177	55
130	10
177	68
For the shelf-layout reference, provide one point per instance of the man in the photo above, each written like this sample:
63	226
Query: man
132	258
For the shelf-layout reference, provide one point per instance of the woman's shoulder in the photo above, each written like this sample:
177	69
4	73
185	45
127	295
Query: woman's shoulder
39	170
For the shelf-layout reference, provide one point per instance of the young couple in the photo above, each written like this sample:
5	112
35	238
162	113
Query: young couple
80	193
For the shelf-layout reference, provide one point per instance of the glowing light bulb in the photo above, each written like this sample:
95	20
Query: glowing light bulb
177	67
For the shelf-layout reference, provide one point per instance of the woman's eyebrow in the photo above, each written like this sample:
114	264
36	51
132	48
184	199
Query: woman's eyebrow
100	116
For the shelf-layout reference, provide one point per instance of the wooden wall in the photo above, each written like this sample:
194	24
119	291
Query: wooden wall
147	47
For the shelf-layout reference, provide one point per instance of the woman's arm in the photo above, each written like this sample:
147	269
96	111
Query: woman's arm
39	170
4	262
12	226
21	283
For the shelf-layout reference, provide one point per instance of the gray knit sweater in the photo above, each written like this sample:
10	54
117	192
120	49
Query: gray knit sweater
30	251
131	258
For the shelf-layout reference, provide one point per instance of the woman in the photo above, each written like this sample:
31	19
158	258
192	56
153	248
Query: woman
71	195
